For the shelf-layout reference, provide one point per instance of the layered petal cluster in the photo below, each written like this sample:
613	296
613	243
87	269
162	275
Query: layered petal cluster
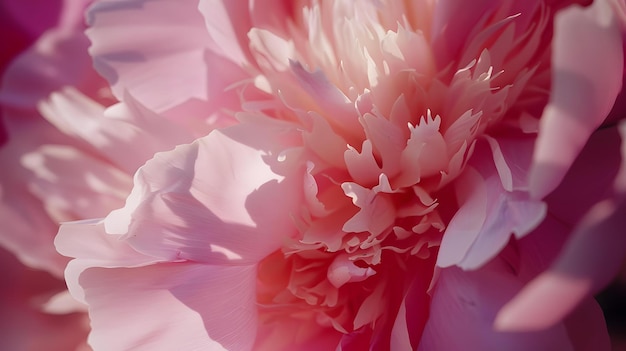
70	152
364	175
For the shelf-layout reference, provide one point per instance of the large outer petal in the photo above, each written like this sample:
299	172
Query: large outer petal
464	306
215	200
58	58
127	133
587	76
171	306
137	302
597	247
131	40
27	229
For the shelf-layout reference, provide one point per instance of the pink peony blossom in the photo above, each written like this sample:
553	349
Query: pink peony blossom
365	175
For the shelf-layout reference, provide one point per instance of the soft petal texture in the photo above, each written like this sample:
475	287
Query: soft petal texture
595	251
473	298
207	201
155	41
194	302
488	214
45	66
588	64
381	187
28	226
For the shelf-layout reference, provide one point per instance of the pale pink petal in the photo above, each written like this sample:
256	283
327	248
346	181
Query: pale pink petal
27	229
228	23
587	76
210	201
126	133
487	217
136	302
131	40
72	184
87	242
170	306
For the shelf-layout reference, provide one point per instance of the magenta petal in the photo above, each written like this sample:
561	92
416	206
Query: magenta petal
588	64
586	327
463	309
56	60
596	248
228	23
590	260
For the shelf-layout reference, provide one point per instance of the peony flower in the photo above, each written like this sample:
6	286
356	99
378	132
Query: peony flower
366	175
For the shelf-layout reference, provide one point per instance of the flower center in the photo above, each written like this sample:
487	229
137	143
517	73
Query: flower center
385	127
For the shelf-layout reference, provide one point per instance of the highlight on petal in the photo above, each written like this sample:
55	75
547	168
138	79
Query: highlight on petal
200	199
595	250
115	280
131	40
588	61
194	297
126	133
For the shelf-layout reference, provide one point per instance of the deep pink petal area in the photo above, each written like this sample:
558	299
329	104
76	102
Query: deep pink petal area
590	260
463	308
296	334
23	323
58	58
413	313
171	306
587	76
458	17
587	201
131	40
215	200
586	327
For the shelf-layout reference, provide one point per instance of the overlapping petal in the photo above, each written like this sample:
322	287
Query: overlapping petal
168	37
588	62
